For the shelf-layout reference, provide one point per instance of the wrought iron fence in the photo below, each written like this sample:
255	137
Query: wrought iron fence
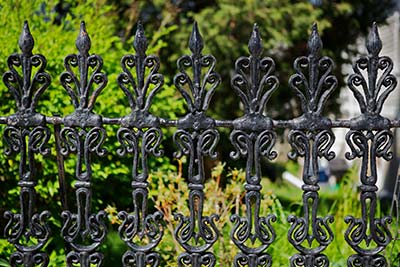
253	136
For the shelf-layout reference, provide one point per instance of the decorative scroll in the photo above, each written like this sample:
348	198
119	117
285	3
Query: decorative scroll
84	87
140	136
26	134
253	138
196	138
84	135
311	138
370	138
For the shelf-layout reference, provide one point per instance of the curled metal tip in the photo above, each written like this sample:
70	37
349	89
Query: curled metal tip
83	42
26	41
255	42
314	42
140	42
196	41
374	43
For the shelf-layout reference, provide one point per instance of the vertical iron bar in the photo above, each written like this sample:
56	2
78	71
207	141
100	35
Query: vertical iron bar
27	134
140	135
253	137
84	134
311	137
370	138
196	137
60	167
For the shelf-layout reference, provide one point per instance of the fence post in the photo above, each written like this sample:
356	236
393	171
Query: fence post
253	137
370	138
311	137
26	133
196	137
84	134
140	135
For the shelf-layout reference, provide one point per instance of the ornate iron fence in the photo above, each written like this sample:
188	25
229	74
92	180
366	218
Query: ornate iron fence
253	136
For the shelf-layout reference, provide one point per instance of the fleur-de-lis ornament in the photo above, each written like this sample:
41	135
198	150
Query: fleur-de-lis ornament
196	138
84	135
370	138
83	88
311	138
27	134
140	136
253	137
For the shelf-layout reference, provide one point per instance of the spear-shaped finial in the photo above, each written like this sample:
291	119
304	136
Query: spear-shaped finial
140	42
314	44
196	41
374	43
83	41
255	42
26	41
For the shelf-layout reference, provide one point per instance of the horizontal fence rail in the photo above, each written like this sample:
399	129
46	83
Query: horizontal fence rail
82	133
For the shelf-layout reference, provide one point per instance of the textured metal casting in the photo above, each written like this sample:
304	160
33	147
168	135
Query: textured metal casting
26	134
84	135
253	137
196	137
370	138
140	136
311	138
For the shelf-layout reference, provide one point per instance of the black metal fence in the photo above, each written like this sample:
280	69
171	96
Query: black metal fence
253	136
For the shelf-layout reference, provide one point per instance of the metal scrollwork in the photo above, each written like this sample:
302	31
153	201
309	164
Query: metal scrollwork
374	91
196	227
84	135
140	136
196	138
27	135
28	87
80	86
370	138
311	138
310	227
253	138
84	231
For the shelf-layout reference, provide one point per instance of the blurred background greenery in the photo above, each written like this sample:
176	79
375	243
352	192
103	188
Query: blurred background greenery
226	26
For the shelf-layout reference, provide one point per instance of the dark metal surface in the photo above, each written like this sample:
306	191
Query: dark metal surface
140	136
84	135
253	137
27	134
311	138
370	138
196	137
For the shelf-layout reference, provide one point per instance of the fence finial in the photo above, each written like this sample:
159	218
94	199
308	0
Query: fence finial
196	41
314	44
374	43
83	41
26	41
140	42
255	42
